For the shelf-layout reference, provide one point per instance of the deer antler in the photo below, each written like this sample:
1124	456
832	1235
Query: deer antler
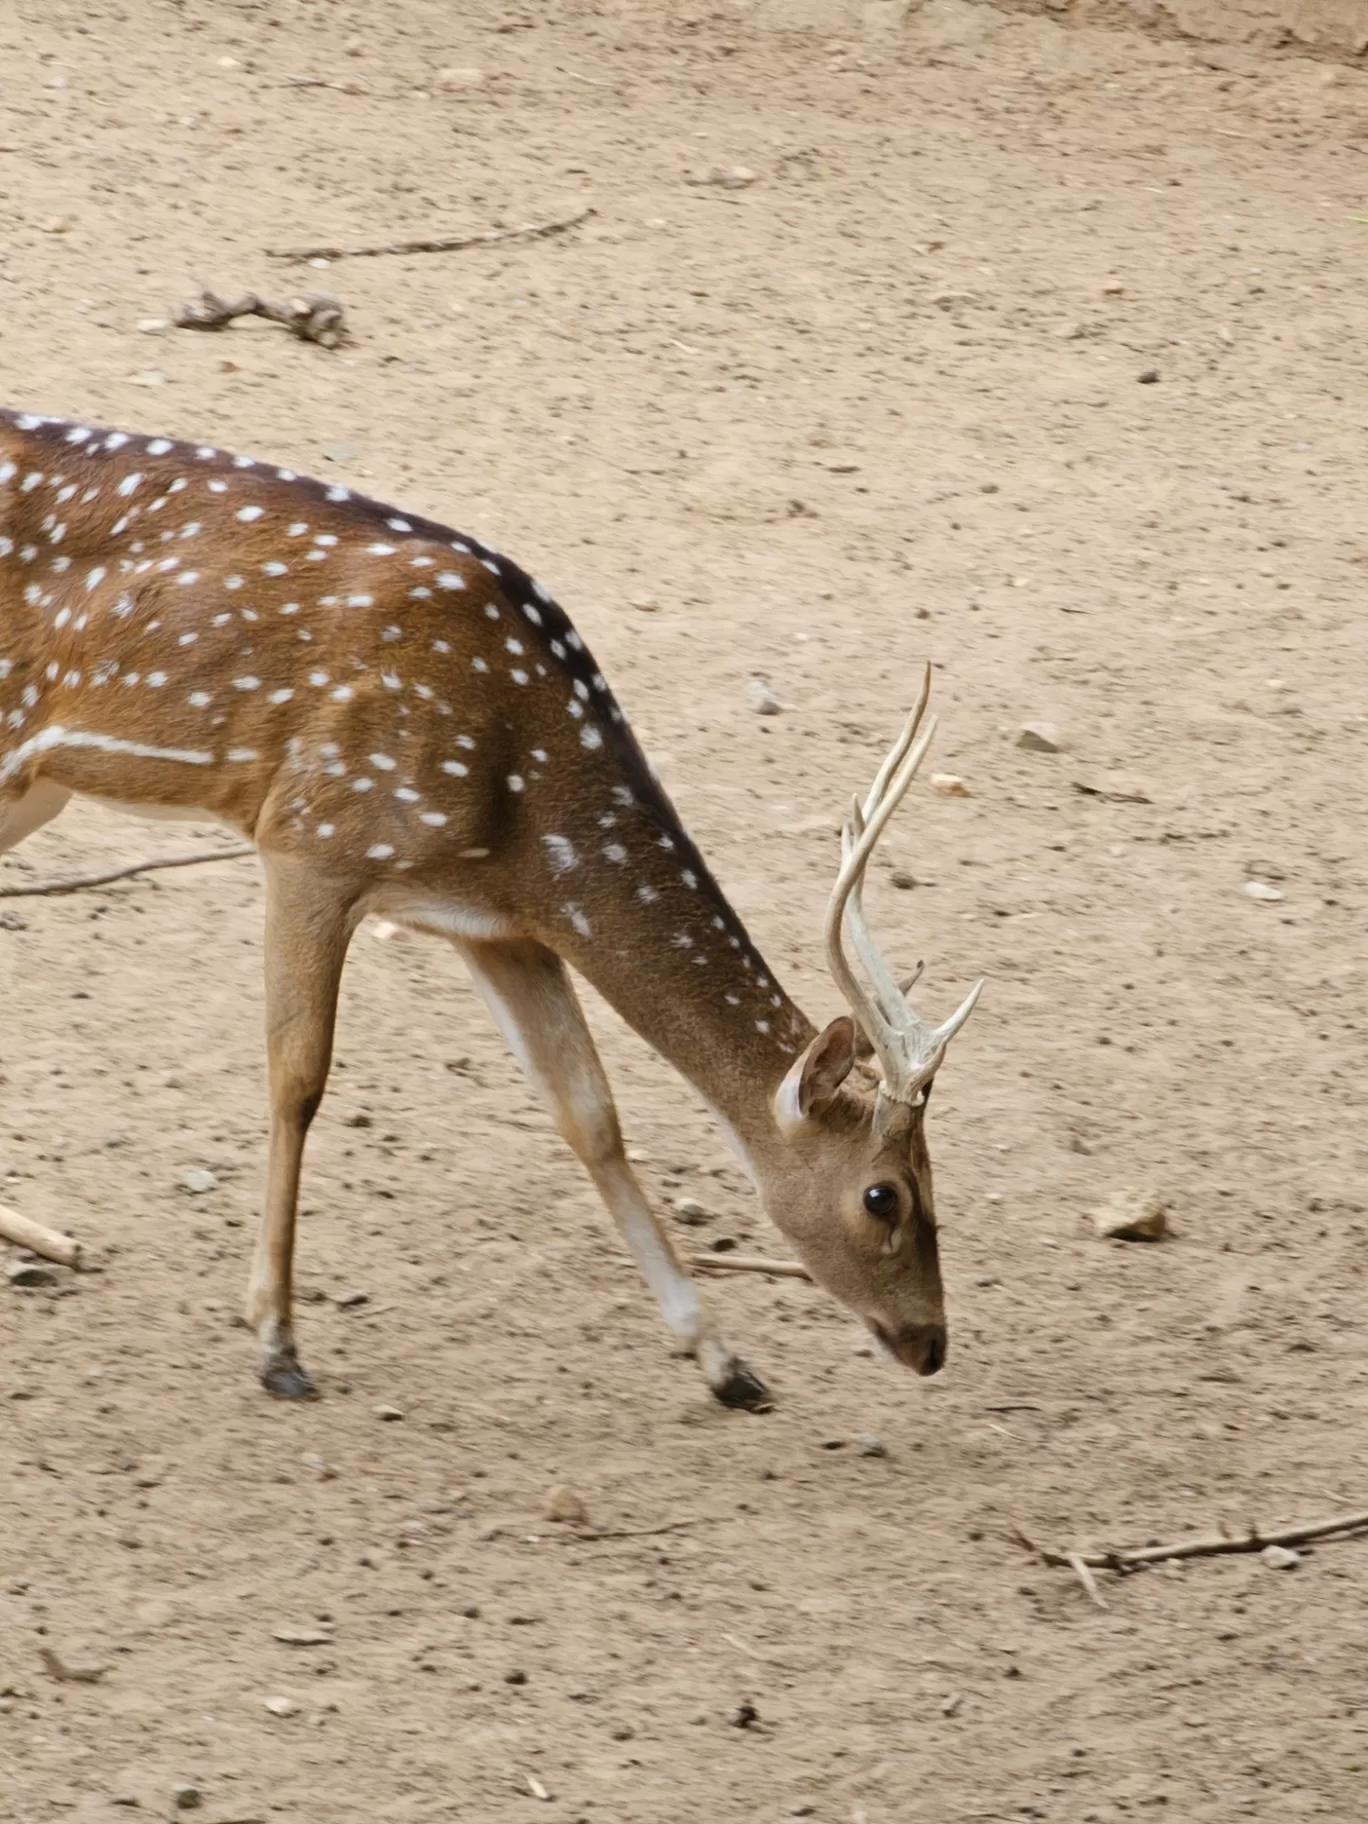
908	1047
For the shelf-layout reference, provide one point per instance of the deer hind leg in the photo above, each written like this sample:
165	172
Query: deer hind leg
529	994
20	817
309	924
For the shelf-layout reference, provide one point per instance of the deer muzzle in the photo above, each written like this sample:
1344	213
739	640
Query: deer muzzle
921	1347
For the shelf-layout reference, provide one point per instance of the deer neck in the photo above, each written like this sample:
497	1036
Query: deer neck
733	1039
657	937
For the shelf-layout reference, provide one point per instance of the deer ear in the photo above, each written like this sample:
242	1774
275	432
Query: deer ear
818	1073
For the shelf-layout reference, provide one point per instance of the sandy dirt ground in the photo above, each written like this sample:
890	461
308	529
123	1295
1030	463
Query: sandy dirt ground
886	401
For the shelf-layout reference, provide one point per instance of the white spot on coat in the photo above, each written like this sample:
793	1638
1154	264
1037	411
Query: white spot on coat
564	857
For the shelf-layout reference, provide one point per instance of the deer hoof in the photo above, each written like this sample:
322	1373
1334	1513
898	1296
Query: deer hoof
740	1388
288	1380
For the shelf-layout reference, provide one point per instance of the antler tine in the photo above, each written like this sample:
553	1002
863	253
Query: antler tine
876	965
909	1048
858	841
899	749
868	1015
948	1028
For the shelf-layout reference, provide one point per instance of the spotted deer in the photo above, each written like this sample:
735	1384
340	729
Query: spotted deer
406	724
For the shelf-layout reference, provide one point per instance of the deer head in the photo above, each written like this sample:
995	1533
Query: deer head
847	1176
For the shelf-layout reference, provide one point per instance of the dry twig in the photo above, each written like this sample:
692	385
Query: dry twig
750	1263
24	1232
1210	1546
313	317
69	1675
347	86
624	1532
79	882
1086	1578
450	243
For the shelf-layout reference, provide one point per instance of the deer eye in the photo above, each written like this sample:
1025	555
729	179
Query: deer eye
881	1200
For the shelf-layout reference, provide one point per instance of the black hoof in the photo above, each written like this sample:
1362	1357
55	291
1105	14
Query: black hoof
744	1390
287	1380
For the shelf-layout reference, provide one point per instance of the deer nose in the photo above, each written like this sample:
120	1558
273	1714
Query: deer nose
920	1346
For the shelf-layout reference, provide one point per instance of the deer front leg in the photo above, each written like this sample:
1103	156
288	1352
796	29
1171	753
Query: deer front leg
20	817
529	994
309	923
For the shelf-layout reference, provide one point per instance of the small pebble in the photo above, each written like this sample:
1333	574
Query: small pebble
1039	738
280	1706
564	1505
186	1797
901	878
645	604
515	1677
949	785
870	1446
1132	1216
198	1182
390	1414
762	699
1148	376
743	1715
1263	892
689	1210
725	177
1279	1558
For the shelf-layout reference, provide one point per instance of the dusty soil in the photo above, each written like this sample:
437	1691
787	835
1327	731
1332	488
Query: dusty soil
881	403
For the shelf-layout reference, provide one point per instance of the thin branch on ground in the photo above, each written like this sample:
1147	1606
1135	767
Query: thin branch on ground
51	1244
1210	1546
1086	1578
624	1532
750	1263
347	86
46	889
450	243
313	317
